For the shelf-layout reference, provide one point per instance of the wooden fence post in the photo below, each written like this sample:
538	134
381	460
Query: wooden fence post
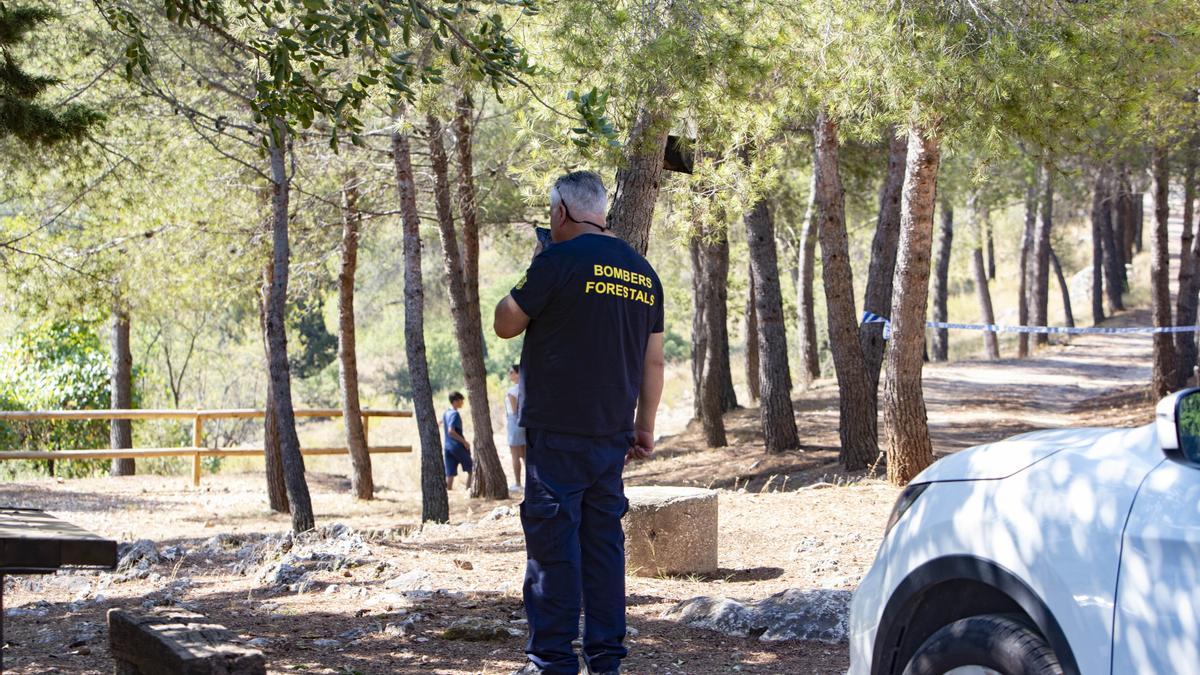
366	430
197	439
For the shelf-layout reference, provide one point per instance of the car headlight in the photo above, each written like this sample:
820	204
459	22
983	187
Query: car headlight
907	498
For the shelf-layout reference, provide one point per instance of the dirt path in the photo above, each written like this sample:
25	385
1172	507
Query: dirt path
1089	380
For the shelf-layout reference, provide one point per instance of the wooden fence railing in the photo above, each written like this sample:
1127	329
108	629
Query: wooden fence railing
197	449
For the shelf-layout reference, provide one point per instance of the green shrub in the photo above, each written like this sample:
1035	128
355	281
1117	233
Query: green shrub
55	366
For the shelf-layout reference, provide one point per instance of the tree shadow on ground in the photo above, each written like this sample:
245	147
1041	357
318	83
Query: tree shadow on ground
73	638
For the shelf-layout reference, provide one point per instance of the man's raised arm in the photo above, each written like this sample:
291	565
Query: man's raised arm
510	319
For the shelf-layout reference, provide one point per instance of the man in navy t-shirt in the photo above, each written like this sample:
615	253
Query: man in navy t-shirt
591	309
455	448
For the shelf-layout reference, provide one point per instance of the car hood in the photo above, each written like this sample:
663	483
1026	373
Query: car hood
1002	459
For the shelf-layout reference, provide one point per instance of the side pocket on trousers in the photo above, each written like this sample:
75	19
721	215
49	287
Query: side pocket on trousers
545	528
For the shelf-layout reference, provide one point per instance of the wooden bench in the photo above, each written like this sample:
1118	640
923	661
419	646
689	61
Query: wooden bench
35	542
175	641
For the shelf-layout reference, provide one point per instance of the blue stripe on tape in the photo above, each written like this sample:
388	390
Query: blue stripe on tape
871	317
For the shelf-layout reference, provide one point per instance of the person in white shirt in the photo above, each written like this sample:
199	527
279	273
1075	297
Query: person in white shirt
516	433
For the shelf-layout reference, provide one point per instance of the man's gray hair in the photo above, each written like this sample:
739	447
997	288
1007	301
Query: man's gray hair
582	190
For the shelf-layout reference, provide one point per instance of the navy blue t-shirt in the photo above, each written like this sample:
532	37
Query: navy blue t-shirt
452	420
593	303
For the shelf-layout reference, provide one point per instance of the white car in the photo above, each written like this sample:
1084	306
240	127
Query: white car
1072	551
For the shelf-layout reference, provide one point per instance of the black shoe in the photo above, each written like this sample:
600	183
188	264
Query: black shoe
589	671
530	668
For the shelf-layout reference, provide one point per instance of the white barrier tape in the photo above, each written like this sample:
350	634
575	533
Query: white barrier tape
871	317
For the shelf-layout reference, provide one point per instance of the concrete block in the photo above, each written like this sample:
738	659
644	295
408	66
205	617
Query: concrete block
670	530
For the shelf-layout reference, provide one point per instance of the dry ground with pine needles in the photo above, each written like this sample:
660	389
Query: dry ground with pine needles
787	521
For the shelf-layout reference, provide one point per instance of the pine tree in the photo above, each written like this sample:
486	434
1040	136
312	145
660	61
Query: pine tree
21	115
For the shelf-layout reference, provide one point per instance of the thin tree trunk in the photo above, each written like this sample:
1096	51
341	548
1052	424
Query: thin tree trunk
121	391
718	261
361	480
909	449
878	298
991	346
857	417
699	325
1185	304
1124	222
272	455
1113	267
710	387
714	255
1040	300
1068	315
775	379
1025	255
638	180
753	383
1139	220
488	478
467	206
940	349
435	505
1160	281
991	250
1098	251
806	260
281	383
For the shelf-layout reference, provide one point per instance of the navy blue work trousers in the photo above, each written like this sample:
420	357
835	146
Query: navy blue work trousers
574	500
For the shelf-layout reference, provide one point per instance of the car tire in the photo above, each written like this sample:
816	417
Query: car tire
989	642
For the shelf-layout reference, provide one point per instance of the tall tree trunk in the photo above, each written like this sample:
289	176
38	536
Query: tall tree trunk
467	207
639	177
1068	315
1185	304
121	390
1026	254
753	383
709	385
991	344
361	480
718	261
991	250
488	479
1139	220
435	505
1040	298
878	298
806	260
714	255
699	327
1160	279
940	349
775	378
857	416
1098	251
909	449
272	455
1114	269
281	382
1124	224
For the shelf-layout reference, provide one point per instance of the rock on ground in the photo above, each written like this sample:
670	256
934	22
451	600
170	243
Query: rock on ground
789	615
475	629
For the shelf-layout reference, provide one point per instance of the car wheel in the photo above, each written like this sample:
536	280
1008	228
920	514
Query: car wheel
983	645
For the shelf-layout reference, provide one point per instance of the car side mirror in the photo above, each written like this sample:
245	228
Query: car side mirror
1177	421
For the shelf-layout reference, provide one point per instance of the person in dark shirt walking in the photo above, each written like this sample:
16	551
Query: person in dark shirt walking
457	450
592	365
